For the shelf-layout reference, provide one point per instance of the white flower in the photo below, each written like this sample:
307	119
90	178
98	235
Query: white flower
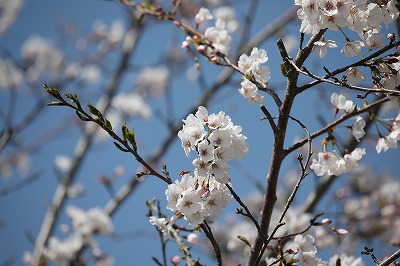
152	81
220	138
192	238
245	63
162	225
340	102
195	218
61	251
357	128
321	47
131	105
203	15
228	16
261	73
99	221
384	144
259	55
206	151
305	243
354	76
326	163
189	203
63	163
352	48
248	89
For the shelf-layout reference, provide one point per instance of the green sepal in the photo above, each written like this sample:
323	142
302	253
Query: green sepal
108	124
53	92
81	117
129	135
156	261
94	111
55	104
73	98
125	131
244	240
119	147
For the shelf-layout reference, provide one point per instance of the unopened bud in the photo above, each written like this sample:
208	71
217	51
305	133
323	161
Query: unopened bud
192	238
175	260
326	221
341	231
201	49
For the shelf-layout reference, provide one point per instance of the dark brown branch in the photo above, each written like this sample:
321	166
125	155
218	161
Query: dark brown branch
337	122
269	118
278	153
343	69
214	242
248	213
391	259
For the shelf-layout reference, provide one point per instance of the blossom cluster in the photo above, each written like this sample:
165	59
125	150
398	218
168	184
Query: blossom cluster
193	198
252	67
216	140
387	74
358	15
218	35
85	224
390	141
330	162
302	251
197	197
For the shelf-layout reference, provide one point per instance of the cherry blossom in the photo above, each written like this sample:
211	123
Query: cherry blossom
357	128
203	15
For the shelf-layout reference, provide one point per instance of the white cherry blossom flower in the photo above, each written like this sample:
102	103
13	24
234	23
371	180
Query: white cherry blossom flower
321	47
357	128
203	15
354	76
248	89
352	48
189	203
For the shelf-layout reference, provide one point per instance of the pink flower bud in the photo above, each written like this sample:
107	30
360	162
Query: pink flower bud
342	231
192	238
326	221
201	49
175	260
185	44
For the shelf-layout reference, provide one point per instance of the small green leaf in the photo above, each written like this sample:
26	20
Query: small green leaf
120	147
157	261
242	238
73	98
108	124
283	70
94	111
125	131
81	117
55	104
53	92
132	140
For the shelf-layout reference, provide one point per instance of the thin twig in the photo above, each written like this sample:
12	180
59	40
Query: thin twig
391	259
214	242
248	213
270	119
